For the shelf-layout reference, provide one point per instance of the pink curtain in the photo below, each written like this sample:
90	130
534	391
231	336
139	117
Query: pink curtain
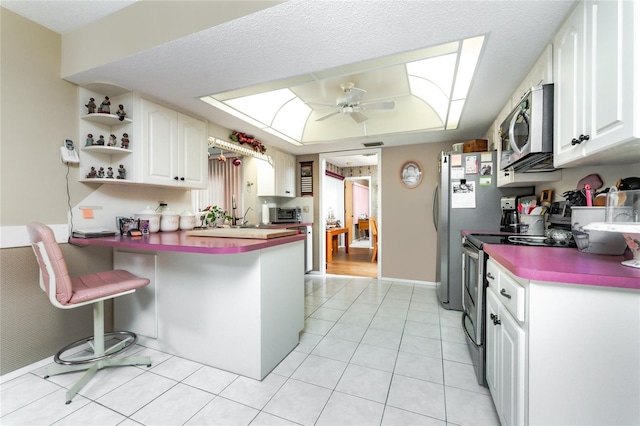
225	181
360	200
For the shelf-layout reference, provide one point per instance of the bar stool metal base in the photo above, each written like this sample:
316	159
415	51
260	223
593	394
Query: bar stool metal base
114	350
99	358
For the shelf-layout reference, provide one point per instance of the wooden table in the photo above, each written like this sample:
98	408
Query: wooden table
332	241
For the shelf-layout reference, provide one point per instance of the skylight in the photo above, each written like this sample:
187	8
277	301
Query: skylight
437	78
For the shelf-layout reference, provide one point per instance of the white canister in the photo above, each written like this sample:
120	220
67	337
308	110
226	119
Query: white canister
187	220
534	223
151	216
170	221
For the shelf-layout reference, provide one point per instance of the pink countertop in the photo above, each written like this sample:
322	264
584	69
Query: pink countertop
562	264
566	265
178	241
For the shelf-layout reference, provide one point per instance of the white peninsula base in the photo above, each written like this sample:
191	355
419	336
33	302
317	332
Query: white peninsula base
238	312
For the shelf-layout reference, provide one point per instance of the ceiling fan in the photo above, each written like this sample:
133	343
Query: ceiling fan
350	104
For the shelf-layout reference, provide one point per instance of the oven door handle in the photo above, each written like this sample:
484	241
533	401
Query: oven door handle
469	338
470	251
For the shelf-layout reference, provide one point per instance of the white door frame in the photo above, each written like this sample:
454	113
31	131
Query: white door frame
322	224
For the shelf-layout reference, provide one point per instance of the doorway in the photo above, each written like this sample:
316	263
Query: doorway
341	172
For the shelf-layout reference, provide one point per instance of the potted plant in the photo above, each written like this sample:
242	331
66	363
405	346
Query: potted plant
215	216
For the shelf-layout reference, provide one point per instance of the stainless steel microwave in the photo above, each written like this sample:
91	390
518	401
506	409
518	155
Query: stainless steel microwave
526	135
285	215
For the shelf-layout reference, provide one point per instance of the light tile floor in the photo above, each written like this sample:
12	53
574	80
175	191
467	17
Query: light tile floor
372	353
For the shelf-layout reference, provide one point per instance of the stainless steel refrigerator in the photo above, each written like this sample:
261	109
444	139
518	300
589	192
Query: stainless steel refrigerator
466	197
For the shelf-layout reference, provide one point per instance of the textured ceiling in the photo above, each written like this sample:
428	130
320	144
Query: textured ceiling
298	38
64	16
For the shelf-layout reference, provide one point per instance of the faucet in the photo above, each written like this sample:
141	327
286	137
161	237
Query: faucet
244	218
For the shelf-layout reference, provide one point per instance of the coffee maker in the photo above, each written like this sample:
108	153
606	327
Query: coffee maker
510	221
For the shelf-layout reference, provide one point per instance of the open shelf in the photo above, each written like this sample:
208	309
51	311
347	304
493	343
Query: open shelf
106	119
104	149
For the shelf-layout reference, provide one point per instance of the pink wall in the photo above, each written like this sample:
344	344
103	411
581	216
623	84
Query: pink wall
360	200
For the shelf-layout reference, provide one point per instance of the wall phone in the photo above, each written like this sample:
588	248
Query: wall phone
68	154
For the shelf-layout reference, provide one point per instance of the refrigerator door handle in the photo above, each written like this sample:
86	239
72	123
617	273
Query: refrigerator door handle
435	208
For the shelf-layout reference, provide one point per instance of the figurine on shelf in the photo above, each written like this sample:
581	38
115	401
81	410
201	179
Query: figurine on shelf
100	141
125	141
105	106
109	172
90	140
122	172
121	113
92	173
101	172
91	106
112	140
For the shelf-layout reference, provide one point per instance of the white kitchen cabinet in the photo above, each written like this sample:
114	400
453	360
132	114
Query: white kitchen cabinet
175	147
506	356
285	174
597	95
277	179
561	353
540	73
100	124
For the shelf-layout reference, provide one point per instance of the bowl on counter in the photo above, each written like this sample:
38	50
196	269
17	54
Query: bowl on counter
151	216
170	221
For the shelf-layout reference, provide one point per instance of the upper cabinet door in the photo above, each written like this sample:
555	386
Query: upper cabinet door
192	156
568	64
159	136
175	147
597	93
610	73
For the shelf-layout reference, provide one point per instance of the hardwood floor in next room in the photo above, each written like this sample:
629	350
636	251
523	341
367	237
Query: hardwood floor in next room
355	263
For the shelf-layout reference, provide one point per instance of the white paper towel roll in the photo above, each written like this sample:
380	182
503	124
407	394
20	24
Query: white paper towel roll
265	213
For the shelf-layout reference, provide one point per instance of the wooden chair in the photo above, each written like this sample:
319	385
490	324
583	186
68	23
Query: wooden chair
373	229
66	292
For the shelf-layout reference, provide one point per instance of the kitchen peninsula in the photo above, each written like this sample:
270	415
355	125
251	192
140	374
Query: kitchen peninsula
231	303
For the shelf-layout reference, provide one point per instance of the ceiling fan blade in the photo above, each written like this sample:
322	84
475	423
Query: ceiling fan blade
355	95
358	116
319	104
378	105
324	117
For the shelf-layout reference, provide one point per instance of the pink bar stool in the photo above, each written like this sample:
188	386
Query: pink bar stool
66	292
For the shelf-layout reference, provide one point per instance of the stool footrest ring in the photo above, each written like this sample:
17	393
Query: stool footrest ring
123	345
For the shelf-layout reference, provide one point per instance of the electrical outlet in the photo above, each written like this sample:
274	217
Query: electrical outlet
305	209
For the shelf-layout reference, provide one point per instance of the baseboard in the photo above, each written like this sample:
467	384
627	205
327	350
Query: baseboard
25	370
400	280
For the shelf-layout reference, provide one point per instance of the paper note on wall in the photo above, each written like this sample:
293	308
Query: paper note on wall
463	195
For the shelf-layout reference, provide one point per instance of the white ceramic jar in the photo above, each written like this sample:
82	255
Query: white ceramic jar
170	221
187	220
151	216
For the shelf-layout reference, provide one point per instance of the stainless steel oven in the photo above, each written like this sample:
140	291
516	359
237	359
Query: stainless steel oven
474	282
473	303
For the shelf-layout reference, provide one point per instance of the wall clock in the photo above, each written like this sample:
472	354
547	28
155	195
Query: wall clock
411	174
